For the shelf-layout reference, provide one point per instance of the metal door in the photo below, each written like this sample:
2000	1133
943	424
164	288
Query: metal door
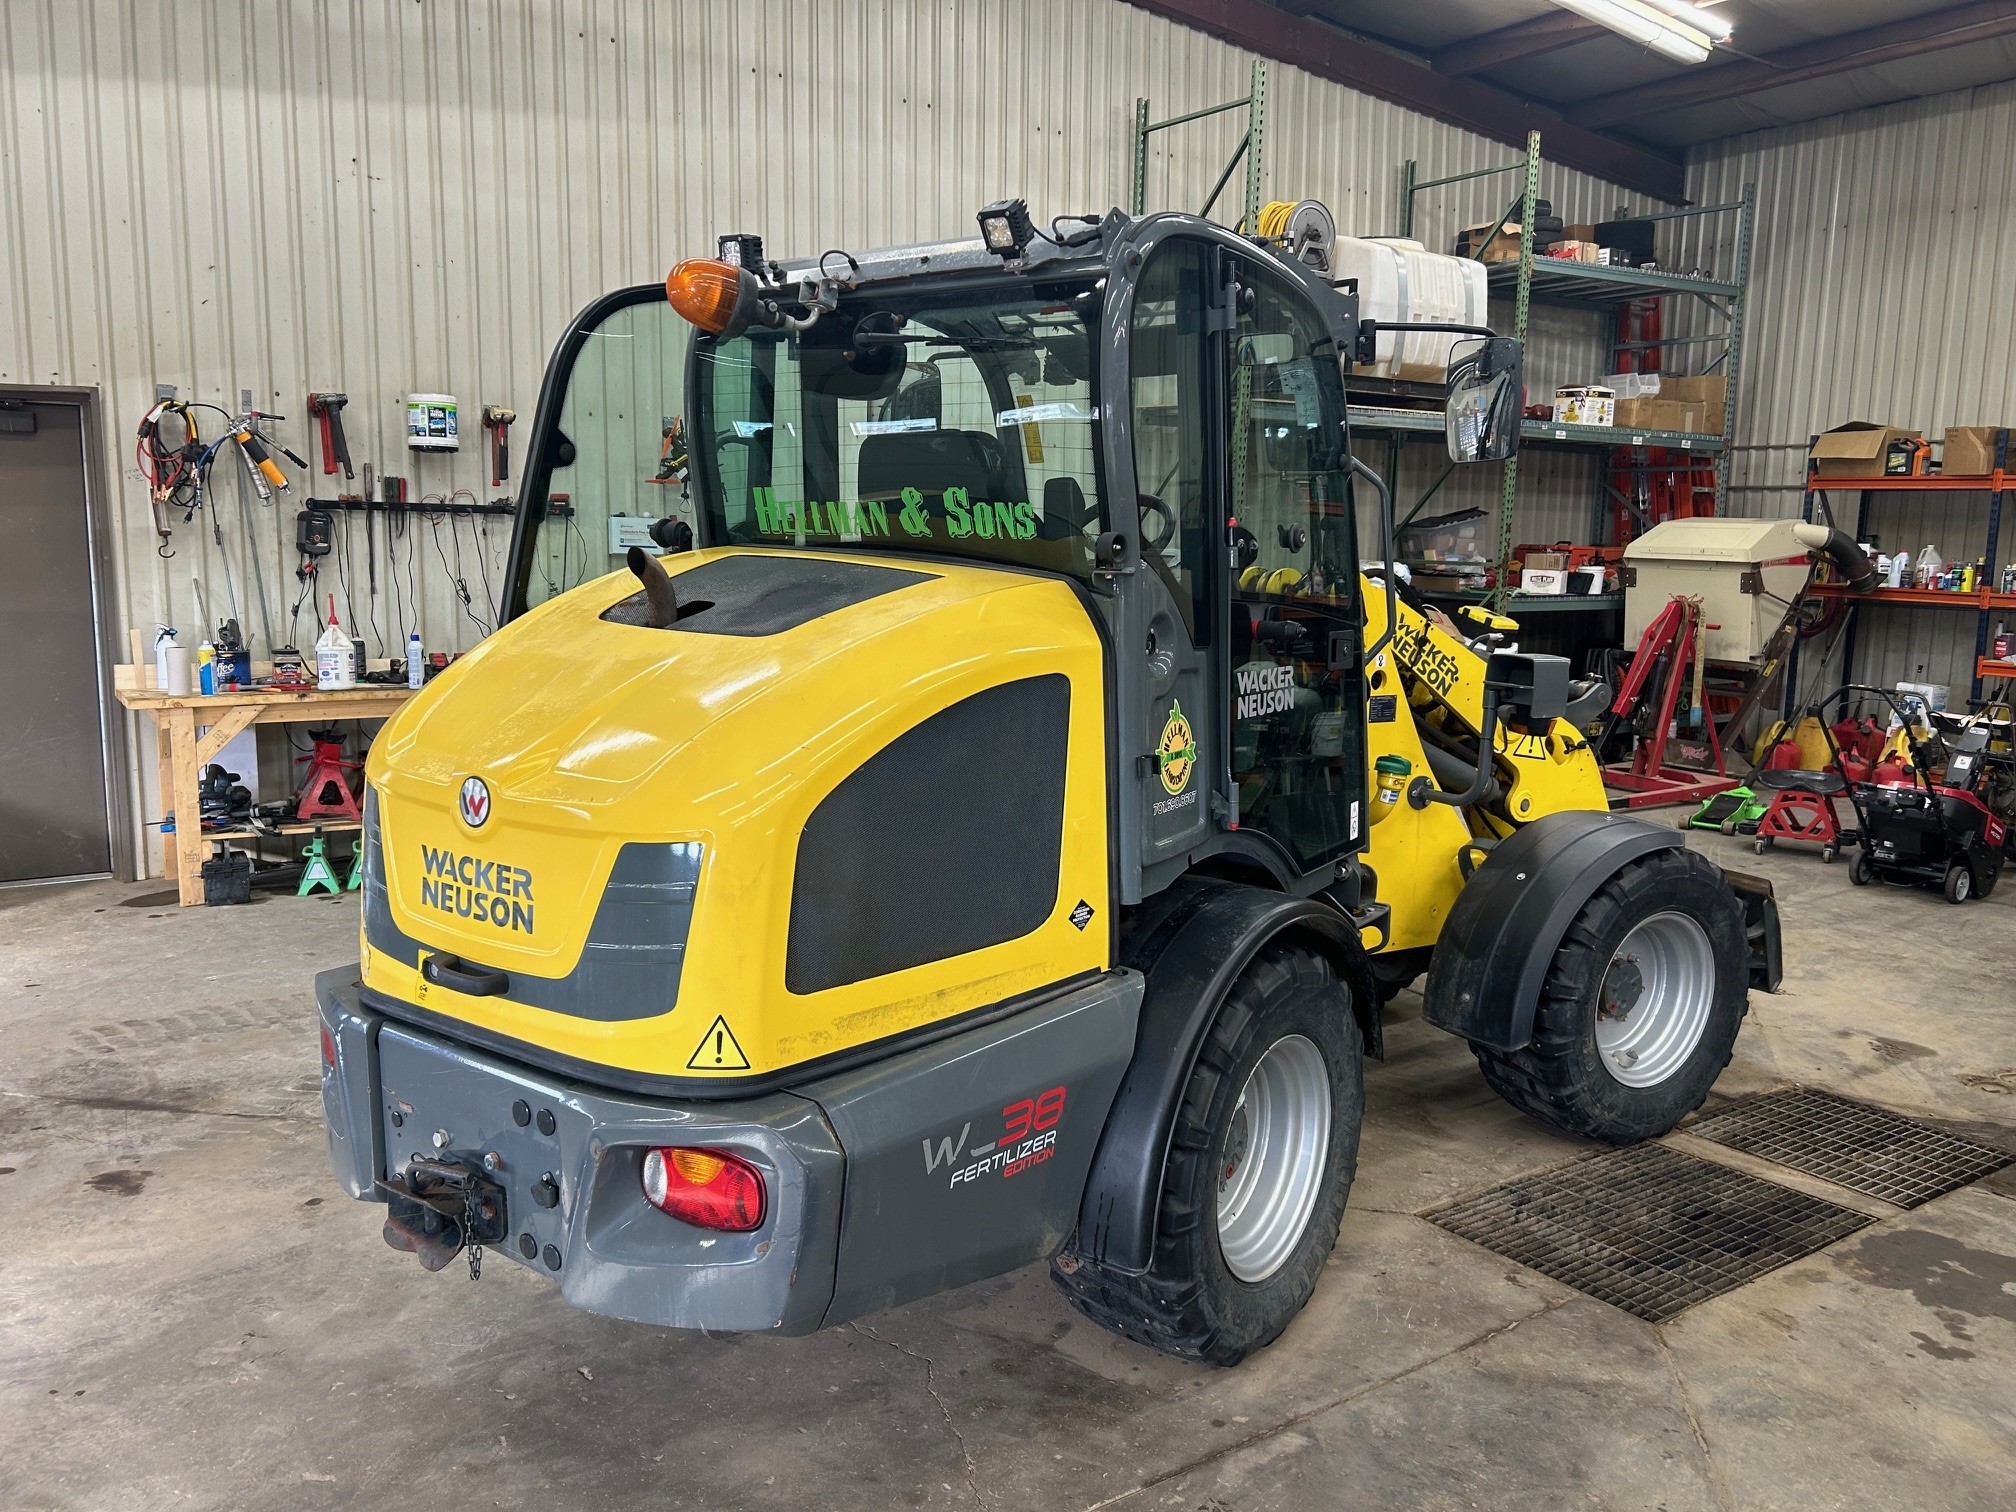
53	815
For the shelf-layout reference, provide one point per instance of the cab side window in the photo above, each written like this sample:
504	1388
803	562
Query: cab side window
1297	738
1169	398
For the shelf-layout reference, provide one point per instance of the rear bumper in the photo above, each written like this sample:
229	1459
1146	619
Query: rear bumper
960	1158
394	1088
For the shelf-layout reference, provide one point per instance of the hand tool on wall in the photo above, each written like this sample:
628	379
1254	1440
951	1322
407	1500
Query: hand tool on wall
266	473
497	421
328	412
259	418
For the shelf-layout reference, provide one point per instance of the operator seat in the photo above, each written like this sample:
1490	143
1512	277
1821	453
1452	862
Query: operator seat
931	462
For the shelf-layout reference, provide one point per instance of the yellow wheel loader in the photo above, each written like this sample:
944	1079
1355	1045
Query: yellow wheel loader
993	839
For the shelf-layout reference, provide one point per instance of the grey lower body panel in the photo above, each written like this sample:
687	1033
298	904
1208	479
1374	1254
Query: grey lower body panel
928	1169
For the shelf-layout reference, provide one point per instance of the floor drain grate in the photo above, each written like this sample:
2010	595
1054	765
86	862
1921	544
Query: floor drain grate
1851	1144
1648	1229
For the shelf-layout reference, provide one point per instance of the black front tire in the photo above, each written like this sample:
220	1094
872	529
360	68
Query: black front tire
1859	871
1959	882
1189	1303
1559	1077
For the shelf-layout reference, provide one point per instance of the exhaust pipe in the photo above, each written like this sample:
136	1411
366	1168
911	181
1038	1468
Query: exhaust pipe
1840	548
661	603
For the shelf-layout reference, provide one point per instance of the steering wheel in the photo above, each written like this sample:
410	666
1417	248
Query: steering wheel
1151	507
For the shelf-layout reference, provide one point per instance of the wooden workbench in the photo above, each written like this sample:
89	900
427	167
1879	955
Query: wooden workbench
191	729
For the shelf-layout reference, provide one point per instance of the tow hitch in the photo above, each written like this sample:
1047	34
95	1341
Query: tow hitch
439	1205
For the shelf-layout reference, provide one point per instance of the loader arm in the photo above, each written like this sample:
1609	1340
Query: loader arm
1427	702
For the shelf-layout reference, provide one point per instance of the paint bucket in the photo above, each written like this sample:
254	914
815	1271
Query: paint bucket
431	422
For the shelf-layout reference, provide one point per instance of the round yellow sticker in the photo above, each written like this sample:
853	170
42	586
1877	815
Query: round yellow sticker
1176	753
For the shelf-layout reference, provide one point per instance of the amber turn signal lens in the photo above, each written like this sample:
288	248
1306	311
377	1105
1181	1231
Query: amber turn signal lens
704	290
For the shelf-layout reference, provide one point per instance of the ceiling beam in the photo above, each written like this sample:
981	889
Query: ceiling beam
1912	37
1483	108
1509	44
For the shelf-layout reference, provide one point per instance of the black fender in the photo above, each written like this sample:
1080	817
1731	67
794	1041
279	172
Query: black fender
1191	941
1485	976
1760	926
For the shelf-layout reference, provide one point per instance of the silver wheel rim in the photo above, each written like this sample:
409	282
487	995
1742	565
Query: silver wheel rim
1653	1006
1270	1171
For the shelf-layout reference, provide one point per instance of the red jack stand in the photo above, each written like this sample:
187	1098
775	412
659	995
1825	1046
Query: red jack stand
1670	645
325	794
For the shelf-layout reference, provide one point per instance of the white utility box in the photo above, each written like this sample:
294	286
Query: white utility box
1745	571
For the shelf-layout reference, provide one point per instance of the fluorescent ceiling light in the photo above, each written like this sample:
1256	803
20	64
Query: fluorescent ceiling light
1664	34
1712	23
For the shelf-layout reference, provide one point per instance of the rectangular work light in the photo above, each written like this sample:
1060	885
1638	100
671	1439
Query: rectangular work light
1682	32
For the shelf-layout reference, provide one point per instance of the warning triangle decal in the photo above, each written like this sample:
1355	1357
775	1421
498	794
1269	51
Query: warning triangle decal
718	1050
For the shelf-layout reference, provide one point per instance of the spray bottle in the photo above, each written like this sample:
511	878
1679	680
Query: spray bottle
333	668
416	670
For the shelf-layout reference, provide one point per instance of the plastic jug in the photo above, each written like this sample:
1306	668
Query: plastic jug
334	665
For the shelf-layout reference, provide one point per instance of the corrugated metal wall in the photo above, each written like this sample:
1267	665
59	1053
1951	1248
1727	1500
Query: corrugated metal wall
392	195
1883	287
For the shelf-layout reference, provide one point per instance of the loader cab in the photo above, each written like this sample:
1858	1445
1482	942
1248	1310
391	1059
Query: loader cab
1154	416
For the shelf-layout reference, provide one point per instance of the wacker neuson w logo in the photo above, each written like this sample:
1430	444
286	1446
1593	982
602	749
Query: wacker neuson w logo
487	891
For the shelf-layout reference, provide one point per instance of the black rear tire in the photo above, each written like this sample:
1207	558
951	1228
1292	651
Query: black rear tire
1559	1076
1189	1303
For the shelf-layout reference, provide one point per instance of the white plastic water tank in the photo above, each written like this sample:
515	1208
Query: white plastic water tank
1400	280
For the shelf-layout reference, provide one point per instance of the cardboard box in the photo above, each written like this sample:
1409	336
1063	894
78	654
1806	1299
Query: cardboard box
1551	581
1504	247
1574	251
1970	451
1652	415
1579	233
1856	449
1547	561
1585	406
1708	393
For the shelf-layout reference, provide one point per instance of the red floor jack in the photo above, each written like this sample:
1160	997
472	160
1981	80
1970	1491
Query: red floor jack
325	794
1669	650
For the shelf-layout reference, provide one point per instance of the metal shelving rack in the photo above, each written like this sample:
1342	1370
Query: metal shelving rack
1984	601
1252	148
1589	286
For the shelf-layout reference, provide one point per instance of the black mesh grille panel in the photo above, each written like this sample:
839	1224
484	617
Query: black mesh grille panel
947	840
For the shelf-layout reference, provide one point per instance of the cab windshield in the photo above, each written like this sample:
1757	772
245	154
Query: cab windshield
956	421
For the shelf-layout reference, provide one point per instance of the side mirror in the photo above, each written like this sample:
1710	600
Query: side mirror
1486	394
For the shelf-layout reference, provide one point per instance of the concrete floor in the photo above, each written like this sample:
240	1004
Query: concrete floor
192	1316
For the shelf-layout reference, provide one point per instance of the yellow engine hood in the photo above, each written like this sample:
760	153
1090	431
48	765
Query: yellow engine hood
589	735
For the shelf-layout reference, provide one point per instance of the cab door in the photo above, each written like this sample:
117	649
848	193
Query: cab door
1293	697
1175	404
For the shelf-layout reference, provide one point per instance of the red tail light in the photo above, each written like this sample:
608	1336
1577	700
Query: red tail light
707	1188
328	1050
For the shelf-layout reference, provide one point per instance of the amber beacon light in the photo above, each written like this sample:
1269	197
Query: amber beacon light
708	292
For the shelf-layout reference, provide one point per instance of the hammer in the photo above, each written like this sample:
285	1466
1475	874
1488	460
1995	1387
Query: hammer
497	420
328	412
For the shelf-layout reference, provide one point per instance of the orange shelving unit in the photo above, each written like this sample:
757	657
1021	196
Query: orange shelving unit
1983	603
